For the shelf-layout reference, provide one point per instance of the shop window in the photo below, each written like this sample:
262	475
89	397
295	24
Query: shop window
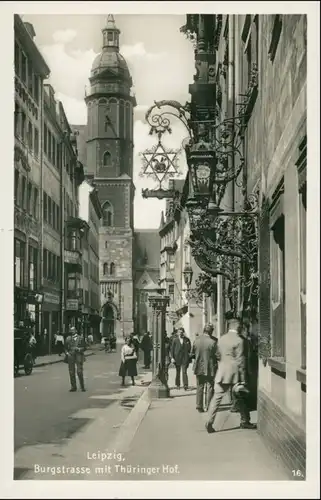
32	268
278	287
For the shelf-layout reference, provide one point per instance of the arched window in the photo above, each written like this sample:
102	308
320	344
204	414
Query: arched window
107	214
105	268
112	269
107	159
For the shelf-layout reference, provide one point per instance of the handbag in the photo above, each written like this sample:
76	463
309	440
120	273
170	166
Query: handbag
65	360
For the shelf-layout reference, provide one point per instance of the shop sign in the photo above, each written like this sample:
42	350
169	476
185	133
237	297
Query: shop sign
51	298
71	257
72	304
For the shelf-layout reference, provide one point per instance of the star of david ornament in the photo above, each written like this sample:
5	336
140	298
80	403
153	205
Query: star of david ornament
160	163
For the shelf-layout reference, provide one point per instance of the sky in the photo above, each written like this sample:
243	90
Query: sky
161	62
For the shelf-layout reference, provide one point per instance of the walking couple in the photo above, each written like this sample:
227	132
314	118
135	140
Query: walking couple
221	366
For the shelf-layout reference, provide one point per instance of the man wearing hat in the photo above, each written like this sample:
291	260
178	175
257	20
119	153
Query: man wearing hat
230	374
205	365
75	348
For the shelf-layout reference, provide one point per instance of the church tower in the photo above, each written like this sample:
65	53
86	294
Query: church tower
109	153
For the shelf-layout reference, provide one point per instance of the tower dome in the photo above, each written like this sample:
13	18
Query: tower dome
110	58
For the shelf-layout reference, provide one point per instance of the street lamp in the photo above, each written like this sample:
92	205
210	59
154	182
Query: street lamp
159	387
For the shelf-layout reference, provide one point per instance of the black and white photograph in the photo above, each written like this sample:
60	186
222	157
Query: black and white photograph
157	268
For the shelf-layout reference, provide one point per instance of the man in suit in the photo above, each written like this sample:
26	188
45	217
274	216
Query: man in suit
230	374
180	354
75	347
205	365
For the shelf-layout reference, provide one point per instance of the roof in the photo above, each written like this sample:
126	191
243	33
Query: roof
146	248
112	60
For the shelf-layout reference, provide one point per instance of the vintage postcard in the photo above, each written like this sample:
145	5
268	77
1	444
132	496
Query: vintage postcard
158	242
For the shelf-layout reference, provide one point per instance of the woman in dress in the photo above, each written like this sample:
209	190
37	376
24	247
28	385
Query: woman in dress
128	365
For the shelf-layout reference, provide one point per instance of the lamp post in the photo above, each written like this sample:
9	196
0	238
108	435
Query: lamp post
159	387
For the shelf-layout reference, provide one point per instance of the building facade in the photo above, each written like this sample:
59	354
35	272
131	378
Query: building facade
90	211
47	177
30	72
256	65
186	308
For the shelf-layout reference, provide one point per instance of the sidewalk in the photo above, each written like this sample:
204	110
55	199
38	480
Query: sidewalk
172	439
51	359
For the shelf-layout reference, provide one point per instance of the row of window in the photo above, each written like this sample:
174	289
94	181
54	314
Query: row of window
109	270
25	71
51	266
50	146
26	195
24	128
29	135
51	212
20	277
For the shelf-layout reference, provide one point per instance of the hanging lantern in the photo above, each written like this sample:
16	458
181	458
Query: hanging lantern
202	164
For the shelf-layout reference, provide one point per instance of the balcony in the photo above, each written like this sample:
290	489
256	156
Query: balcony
73	257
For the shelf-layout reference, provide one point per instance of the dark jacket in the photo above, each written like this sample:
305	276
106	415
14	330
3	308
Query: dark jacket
204	354
75	343
146	343
180	352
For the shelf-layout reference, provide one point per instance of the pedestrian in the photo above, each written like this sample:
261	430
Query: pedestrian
32	345
205	365
59	343
128	365
75	347
146	346
230	374
180	356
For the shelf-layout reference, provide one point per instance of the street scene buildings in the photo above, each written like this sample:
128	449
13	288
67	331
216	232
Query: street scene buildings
229	245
